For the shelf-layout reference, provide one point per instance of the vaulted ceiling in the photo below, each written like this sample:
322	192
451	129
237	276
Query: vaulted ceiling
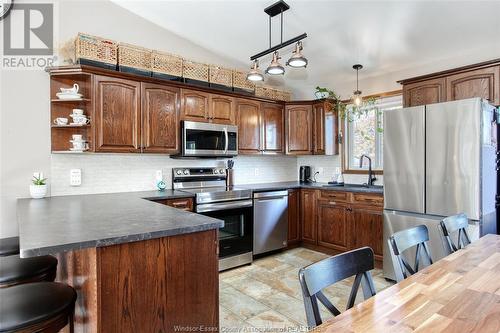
392	39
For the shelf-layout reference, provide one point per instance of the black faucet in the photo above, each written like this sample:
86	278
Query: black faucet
371	178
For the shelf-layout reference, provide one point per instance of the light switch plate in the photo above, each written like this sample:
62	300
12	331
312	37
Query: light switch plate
75	177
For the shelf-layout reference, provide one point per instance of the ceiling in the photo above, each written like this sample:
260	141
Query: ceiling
392	39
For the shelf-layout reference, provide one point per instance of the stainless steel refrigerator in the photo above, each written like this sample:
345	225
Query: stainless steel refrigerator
439	160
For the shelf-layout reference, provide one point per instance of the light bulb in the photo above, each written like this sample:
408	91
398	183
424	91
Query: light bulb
275	67
255	74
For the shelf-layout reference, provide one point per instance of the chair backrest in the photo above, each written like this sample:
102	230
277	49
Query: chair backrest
455	223
324	273
403	240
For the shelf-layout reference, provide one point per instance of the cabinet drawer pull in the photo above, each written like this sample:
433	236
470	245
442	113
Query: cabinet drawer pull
332	203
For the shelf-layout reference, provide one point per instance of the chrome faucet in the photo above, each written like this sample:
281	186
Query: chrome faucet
371	178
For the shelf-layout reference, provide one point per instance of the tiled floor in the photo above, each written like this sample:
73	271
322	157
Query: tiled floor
266	295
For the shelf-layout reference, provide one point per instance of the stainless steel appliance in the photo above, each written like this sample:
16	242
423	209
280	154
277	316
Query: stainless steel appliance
209	140
305	174
439	160
232	204
270	210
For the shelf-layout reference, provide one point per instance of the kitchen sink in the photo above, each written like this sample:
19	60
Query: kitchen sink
353	186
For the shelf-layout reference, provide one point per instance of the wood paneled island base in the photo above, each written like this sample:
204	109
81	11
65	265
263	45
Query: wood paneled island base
159	285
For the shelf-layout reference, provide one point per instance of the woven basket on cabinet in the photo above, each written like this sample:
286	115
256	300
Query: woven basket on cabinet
264	91
96	51
241	84
220	77
134	59
165	65
195	72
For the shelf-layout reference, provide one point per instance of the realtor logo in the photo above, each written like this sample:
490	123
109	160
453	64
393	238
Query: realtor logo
28	36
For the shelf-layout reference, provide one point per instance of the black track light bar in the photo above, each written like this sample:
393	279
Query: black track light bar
279	46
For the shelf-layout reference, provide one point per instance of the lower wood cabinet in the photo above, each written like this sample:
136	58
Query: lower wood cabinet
333	225
179	203
294	232
367	228
308	215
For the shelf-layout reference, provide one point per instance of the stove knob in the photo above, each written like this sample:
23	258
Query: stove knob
179	172
186	172
221	171
216	171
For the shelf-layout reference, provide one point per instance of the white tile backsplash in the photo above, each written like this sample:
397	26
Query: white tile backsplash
105	173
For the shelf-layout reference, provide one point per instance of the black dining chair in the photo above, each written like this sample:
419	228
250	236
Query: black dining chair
322	274
455	223
404	240
9	246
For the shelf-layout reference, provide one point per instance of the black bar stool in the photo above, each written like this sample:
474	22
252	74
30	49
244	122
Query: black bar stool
15	270
9	246
37	307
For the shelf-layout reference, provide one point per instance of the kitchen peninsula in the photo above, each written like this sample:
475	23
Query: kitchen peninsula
137	265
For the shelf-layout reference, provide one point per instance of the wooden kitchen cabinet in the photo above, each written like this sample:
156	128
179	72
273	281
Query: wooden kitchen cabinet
179	203
477	80
325	129
117	114
160	118
367	223
427	92
248	121
221	109
308	215
333	225
272	119
194	105
294	217
298	129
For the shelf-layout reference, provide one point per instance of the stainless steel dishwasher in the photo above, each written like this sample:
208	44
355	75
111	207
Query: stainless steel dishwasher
270	220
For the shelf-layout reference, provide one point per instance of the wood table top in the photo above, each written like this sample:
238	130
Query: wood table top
459	293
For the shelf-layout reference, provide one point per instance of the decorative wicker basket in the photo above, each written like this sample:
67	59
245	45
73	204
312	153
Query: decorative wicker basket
166	64
240	82
264	91
220	77
282	95
133	58
96	51
195	72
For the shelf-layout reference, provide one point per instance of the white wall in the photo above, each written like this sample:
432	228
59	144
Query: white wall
24	95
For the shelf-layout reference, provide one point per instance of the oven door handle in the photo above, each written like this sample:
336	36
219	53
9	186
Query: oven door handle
223	205
227	141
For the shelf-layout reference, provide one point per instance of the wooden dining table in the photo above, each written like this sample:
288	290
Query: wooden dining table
459	293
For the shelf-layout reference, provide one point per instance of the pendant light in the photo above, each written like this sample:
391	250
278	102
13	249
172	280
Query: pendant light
275	68
255	74
357	99
297	60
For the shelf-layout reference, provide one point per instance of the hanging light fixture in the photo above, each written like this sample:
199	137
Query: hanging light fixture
275	67
297	60
357	99
255	74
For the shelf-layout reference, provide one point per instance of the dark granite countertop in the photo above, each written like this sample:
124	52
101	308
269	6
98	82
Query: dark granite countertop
323	186
64	223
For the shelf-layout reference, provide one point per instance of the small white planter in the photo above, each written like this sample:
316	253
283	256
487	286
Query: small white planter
38	191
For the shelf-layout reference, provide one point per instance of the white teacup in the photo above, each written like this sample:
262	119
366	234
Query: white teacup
73	90
79	145
82	120
77	112
77	137
61	121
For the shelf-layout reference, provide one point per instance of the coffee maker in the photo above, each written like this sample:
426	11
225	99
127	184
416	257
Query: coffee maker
305	174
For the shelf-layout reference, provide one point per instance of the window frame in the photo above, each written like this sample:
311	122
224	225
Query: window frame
345	135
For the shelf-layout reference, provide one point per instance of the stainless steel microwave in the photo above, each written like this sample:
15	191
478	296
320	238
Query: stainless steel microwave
206	139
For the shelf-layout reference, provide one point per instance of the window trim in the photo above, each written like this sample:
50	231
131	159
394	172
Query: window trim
344	129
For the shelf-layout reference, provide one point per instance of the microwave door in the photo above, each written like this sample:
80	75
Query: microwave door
203	142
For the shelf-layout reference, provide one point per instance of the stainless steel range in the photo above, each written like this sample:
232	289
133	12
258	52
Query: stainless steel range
232	204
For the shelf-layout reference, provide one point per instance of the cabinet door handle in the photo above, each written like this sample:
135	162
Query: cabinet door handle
332	203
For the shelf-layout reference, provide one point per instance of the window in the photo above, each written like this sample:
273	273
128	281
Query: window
364	134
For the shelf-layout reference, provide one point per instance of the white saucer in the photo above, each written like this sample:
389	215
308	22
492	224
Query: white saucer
78	150
69	96
77	124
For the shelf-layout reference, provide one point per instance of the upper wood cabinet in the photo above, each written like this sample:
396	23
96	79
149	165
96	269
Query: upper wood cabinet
117	115
160	118
421	93
298	129
206	107
483	83
194	105
272	119
248	121
479	80
221	110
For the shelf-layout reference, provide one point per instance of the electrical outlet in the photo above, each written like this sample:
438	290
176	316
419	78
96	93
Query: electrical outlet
158	175
75	177
256	170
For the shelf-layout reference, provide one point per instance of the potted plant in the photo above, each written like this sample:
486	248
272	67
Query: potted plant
38	189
